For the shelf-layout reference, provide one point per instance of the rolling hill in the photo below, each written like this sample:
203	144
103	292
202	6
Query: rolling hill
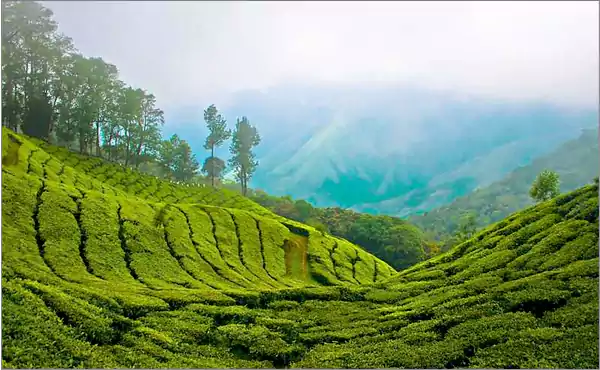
83	192
105	267
576	161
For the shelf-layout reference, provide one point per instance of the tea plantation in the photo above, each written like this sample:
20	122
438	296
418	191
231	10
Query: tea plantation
103	267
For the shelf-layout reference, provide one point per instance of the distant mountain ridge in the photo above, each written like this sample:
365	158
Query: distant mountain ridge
576	161
395	150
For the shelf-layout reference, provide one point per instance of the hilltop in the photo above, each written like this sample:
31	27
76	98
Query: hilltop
106	267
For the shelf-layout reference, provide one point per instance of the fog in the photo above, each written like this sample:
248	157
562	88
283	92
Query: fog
190	53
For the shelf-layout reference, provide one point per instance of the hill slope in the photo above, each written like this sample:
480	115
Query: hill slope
576	162
237	237
522	293
392	239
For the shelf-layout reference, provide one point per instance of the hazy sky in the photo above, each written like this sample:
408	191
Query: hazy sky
186	52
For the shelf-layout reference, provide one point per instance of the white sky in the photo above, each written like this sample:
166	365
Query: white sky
186	52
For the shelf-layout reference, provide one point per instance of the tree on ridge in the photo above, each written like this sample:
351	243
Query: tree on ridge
245	137
218	133
545	186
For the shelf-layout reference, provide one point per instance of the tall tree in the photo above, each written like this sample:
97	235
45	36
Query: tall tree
545	186
51	91
245	137
131	102
31	53
218	133
148	128
168	155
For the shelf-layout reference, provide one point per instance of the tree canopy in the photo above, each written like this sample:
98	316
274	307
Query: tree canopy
52	92
218	133
545	186
243	162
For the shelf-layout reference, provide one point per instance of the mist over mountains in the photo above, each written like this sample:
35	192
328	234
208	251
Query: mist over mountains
392	149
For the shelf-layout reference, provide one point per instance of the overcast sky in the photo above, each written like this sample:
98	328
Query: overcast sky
186	52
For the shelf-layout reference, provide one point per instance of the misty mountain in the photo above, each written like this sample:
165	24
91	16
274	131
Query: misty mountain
394	150
576	162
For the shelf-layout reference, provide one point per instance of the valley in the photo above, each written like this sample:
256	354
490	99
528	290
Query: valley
378	148
106	267
382	185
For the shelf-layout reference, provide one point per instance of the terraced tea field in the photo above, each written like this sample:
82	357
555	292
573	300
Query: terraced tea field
106	267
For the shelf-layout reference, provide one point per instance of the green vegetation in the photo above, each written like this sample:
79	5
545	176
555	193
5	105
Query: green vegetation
218	133
245	137
545	186
576	162
107	267
53	93
390	238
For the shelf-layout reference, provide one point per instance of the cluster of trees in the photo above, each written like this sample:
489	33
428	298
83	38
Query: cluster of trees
244	138
392	239
52	92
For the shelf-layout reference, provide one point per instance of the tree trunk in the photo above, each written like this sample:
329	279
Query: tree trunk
98	139
10	105
243	180
128	147
212	159
138	151
81	141
110	139
127	150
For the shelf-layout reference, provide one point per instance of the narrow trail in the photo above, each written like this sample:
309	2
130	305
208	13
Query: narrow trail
29	159
216	269
354	261
375	272
214	232
331	252
43	165
128	258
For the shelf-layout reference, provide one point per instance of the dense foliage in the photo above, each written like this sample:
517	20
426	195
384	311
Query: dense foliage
545	186
51	92
243	162
576	162
393	240
106	267
218	133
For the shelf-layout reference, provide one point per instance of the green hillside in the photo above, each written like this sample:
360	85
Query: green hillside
83	192
576	162
106	267
392	239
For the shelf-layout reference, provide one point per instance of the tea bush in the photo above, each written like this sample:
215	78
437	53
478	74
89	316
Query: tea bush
107	267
